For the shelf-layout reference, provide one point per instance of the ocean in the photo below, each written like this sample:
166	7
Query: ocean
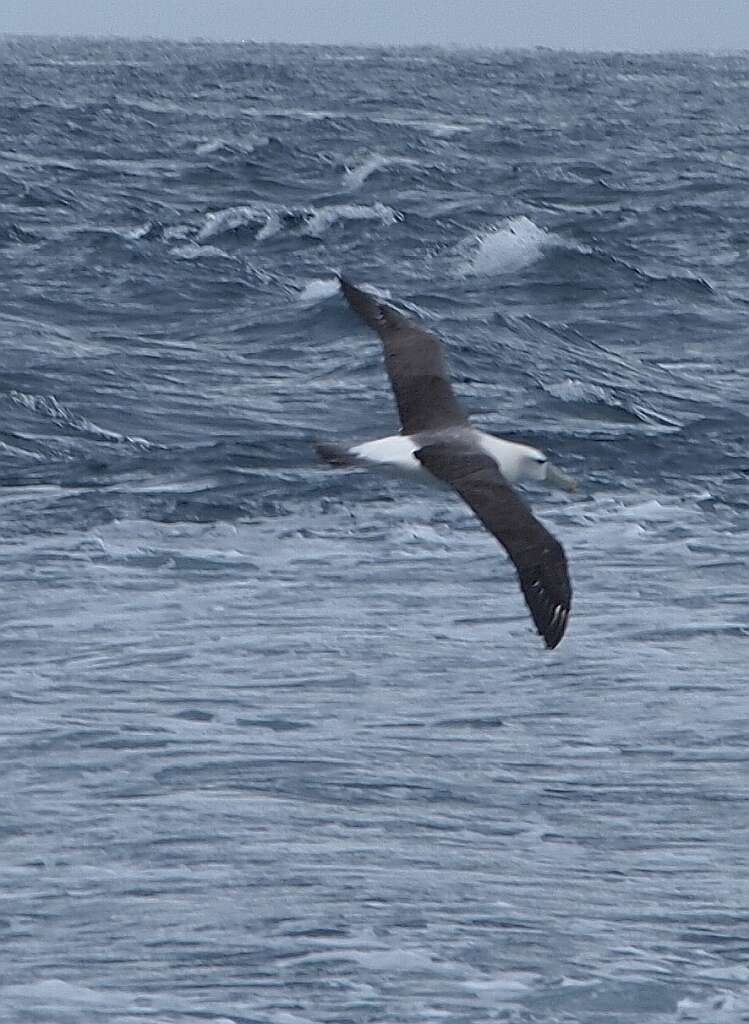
279	742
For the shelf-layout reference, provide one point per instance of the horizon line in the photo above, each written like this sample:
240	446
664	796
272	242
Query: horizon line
451	46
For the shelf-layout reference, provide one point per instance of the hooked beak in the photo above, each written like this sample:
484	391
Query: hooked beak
556	478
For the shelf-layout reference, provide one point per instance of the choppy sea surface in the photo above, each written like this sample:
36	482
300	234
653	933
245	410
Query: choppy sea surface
278	743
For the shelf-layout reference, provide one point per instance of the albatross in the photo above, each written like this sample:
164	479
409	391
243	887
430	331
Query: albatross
438	442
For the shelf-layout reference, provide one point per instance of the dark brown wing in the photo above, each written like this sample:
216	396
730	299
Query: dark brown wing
414	362
538	556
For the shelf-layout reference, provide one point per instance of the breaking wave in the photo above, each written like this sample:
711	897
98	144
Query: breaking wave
233	218
354	177
226	147
193	251
325	218
318	289
508	247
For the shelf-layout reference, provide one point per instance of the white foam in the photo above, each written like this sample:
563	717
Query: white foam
211	146
354	177
220	222
9	449
323	219
506	987
271	227
49	406
206	148
651	511
193	251
723	1008
229	219
318	289
508	247
135	234
176	232
570	390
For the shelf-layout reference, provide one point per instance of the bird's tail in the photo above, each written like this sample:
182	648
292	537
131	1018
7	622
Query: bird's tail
334	455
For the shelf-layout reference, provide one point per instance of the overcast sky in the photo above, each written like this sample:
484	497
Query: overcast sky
575	24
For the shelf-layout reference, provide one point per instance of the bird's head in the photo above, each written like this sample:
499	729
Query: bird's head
537	467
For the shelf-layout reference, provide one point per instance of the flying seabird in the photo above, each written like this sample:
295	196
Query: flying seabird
437	440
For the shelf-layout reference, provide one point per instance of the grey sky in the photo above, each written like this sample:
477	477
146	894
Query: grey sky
576	24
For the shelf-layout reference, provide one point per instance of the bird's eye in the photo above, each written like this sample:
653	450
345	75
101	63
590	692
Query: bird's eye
541	459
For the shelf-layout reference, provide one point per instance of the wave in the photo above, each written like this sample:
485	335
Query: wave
579	391
511	246
12	234
272	226
584	392
229	219
148	232
224	147
215	146
354	177
49	407
686	280
266	219
325	218
14	452
438	129
233	218
193	251
318	289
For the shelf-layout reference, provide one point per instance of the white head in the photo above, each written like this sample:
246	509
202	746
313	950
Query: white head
520	462
535	466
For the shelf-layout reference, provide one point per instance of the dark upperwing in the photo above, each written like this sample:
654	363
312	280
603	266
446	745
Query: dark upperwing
415	364
538	556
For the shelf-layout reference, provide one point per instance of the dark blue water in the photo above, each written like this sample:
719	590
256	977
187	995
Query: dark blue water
279	743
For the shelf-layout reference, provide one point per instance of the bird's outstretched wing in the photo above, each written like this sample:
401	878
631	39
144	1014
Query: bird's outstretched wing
415	364
538	556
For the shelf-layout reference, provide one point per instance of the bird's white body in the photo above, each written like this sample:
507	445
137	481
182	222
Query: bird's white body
395	454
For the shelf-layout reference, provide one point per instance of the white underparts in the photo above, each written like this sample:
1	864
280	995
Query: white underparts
396	455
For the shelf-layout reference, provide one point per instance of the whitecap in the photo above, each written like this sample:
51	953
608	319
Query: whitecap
318	289
137	233
504	989
193	251
323	219
229	219
176	232
233	146
354	177
570	390
206	148
508	247
271	227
